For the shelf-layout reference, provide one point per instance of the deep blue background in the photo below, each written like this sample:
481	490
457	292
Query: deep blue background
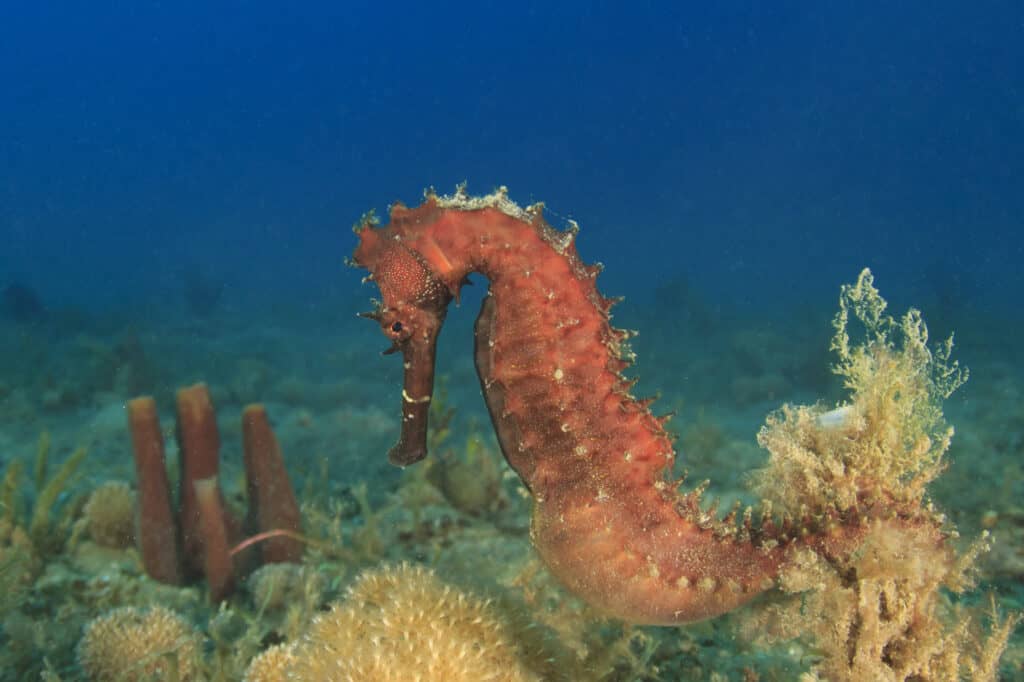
764	150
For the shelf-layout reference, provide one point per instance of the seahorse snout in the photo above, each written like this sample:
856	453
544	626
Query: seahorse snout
412	310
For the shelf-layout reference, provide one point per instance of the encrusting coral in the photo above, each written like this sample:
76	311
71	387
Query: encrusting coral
403	623
130	644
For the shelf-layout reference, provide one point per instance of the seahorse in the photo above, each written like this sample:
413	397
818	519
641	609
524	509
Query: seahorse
608	520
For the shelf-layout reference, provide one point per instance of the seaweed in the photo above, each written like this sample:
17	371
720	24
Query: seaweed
46	521
882	612
42	459
15	563
9	490
42	524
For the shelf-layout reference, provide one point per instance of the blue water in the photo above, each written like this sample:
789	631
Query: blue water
763	150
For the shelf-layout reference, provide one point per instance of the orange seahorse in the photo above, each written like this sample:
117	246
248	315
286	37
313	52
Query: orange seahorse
607	519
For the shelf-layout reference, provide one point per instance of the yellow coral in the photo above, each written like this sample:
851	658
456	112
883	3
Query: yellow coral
403	623
130	644
271	665
110	515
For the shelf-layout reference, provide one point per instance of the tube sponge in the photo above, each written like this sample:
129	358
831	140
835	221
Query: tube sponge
403	623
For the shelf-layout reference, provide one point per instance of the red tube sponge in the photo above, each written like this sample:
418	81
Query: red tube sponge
272	504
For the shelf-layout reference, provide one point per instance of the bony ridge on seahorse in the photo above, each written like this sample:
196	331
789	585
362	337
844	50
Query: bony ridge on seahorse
607	519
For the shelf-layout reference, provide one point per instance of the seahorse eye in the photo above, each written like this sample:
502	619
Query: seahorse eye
396	327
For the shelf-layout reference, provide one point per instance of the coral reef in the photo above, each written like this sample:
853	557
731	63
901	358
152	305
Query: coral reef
131	644
208	530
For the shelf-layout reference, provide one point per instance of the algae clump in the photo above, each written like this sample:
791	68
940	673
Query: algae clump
880	613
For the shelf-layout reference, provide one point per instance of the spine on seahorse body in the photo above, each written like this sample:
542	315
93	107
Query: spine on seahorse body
608	520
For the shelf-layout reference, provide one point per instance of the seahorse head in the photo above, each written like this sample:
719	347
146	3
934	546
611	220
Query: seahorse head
412	309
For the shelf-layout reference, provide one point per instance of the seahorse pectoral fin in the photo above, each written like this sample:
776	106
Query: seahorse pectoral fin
417	391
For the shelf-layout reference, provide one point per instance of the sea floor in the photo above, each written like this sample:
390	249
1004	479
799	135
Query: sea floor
333	400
